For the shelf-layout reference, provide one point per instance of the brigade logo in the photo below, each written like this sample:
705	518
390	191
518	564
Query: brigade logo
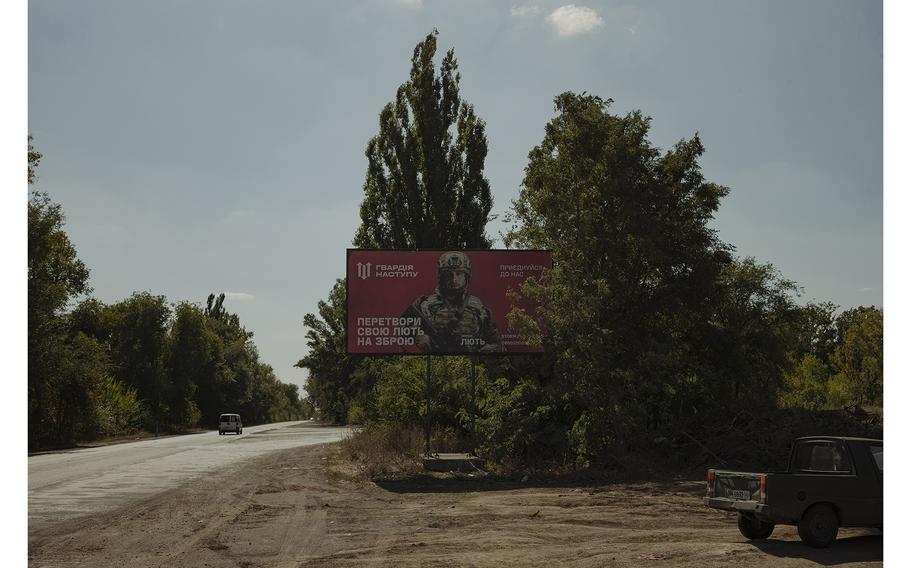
363	270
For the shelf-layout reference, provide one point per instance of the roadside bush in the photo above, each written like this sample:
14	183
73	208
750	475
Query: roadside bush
523	424
807	386
400	391
356	414
118	409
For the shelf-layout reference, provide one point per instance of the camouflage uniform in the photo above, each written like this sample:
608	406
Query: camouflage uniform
455	321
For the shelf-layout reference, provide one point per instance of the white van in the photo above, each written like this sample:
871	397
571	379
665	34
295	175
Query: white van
230	423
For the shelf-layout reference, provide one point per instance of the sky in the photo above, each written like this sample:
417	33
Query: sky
218	145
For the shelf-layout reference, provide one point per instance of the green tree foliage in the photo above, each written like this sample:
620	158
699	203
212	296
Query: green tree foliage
836	361
34	158
425	186
196	363
137	364
118	409
858	358
55	273
138	344
649	320
807	384
191	361
746	355
56	277
290	406
234	359
815	331
526	414
400	394
236	377
93	318
77	381
332	383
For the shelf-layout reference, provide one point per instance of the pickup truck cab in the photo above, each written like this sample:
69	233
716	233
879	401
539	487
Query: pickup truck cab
830	482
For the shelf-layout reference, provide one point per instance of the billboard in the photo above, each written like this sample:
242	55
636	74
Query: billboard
437	301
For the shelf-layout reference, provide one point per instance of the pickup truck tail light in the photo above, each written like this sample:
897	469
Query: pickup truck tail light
710	483
763	494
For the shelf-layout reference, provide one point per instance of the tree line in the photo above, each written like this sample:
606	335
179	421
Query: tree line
139	364
650	322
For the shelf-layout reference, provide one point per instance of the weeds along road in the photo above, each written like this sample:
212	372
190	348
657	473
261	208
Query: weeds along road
71	484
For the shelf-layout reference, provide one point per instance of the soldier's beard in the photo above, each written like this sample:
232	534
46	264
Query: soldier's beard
455	296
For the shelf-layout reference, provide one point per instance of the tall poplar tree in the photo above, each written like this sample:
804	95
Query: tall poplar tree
425	185
425	189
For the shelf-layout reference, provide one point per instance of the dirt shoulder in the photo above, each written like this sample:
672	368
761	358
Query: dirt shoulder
302	508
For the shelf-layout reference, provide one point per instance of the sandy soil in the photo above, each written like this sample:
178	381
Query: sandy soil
302	508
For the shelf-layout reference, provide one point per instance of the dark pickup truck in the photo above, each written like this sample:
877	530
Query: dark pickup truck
830	482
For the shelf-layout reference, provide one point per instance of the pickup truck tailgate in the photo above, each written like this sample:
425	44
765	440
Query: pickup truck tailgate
735	486
737	491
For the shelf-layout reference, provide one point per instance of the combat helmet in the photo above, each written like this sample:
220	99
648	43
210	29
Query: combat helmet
453	260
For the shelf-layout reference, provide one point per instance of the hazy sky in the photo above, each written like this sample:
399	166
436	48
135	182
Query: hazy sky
213	146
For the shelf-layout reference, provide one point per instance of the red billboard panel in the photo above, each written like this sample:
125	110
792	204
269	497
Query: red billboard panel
439	302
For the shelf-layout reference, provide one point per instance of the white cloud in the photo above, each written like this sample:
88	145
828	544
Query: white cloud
239	296
573	20
527	11
410	3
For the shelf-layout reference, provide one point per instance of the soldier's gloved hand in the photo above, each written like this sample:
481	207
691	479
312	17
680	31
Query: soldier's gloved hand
423	343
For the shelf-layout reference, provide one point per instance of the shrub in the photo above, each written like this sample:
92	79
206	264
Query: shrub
118	409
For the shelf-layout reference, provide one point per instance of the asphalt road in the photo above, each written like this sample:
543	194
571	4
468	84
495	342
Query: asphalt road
70	484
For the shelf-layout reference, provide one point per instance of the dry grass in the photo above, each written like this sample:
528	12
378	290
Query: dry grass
383	451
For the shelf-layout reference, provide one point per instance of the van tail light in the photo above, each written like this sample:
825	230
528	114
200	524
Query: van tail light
763	495
710	483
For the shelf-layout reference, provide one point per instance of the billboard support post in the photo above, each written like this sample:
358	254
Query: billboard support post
426	418
473	405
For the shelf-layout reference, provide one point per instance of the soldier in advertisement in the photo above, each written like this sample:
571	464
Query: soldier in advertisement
451	320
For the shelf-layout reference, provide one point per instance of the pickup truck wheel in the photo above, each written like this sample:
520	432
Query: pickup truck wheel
818	527
754	529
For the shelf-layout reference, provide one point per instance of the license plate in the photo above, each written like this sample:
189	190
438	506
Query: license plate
739	494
